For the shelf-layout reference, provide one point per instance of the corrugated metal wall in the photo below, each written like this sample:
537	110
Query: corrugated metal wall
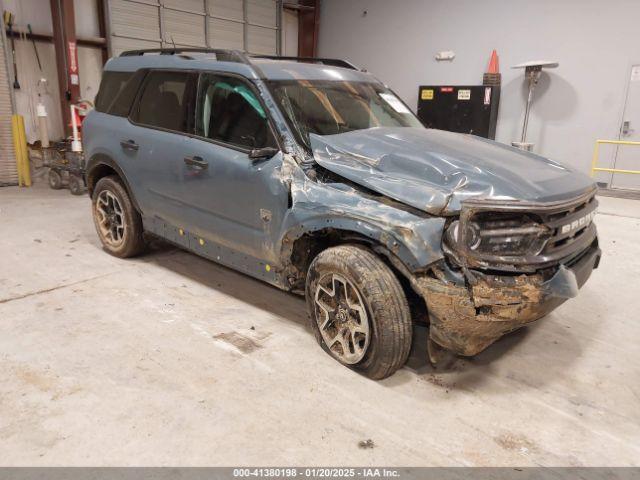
249	25
8	168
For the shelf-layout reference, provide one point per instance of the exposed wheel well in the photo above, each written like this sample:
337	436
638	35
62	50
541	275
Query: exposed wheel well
96	173
102	170
309	245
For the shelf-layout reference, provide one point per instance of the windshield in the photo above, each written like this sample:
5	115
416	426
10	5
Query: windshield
331	107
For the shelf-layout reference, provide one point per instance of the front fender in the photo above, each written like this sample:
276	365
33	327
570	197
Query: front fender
416	240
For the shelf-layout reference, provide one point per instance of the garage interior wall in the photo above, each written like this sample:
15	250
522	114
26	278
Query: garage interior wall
575	104
250	25
8	168
37	13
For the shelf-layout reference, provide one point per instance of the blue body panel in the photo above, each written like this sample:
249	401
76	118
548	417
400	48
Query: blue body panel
247	214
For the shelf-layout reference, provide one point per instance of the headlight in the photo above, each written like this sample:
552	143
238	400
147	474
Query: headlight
499	234
509	234
472	235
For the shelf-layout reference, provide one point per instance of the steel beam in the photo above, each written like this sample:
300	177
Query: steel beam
66	47
102	28
19	34
308	26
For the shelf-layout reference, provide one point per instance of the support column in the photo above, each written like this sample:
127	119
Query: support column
308	26
66	47
102	28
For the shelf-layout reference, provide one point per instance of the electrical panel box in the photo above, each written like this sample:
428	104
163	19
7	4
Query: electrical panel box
463	109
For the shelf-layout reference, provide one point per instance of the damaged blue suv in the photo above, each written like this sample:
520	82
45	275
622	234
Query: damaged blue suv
314	177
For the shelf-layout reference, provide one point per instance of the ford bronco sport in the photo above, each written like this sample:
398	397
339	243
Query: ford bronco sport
314	177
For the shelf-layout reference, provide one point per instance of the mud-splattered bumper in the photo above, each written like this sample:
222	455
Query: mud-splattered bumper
466	320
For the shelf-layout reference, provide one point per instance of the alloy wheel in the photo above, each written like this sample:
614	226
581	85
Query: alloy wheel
111	220
342	318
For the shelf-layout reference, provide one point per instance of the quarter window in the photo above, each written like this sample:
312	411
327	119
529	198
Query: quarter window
166	101
111	85
121	105
229	111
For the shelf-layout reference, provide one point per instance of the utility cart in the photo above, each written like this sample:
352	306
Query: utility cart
66	168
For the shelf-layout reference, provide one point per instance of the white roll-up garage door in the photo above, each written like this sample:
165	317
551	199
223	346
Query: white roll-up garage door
8	168
249	25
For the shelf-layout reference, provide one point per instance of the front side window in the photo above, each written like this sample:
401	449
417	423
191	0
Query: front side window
329	107
166	101
229	111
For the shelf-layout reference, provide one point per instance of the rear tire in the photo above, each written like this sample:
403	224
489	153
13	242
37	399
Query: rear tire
358	310
118	223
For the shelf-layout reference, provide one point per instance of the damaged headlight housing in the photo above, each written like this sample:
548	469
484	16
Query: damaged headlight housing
499	234
520	236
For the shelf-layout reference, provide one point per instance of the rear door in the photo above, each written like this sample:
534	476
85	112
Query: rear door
155	141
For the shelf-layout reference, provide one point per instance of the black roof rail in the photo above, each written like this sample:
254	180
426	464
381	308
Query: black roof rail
221	54
333	62
239	57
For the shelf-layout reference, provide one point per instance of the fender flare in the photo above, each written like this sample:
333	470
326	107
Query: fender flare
100	159
412	254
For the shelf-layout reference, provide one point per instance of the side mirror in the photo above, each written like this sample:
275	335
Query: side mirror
262	153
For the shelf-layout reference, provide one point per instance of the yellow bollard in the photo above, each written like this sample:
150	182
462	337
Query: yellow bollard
26	167
18	149
16	146
22	155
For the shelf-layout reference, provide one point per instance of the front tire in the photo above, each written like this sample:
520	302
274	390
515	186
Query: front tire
358	310
117	222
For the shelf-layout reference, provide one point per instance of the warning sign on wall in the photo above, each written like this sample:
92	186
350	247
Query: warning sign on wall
73	62
464	94
426	94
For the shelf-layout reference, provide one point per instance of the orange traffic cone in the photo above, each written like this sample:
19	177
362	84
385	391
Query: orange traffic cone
492	77
493	63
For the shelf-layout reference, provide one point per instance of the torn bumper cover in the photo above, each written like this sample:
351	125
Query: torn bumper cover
466	320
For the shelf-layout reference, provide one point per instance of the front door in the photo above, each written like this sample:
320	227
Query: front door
628	156
234	201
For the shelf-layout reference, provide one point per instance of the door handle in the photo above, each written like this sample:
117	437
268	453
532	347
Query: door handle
626	128
129	145
196	162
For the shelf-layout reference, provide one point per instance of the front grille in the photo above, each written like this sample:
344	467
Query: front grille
523	236
570	226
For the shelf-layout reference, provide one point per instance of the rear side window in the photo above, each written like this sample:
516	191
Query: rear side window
118	91
166	101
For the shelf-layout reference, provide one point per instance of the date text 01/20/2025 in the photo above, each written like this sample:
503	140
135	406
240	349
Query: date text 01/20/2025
316	472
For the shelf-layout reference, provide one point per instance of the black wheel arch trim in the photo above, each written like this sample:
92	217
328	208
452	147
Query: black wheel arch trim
412	250
99	160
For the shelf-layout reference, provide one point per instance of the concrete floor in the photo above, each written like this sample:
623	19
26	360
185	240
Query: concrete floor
171	360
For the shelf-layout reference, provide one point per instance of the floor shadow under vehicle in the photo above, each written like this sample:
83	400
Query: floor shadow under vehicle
508	360
230	282
419	358
453	371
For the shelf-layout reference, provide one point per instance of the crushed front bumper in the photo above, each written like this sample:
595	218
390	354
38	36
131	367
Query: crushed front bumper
467	319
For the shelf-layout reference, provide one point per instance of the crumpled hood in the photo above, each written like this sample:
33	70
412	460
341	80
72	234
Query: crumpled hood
435	171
